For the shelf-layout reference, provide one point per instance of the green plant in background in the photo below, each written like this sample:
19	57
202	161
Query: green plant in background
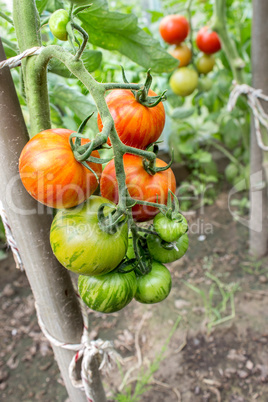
145	375
217	300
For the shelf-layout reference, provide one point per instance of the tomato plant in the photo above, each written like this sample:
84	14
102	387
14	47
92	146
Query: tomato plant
141	185
57	24
184	81
205	84
208	41
183	53
170	229
155	286
109	292
136	124
205	64
174	29
50	172
231	172
167	252
81	245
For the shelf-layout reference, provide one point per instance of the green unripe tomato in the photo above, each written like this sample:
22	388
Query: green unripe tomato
57	24
170	229
183	81
205	63
79	243
165	252
231	172
205	84
109	292
155	286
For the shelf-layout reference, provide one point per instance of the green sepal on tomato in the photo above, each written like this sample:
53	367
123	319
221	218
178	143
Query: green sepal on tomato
167	252
155	286
136	124
170	229
58	24
141	185
109	292
51	174
79	243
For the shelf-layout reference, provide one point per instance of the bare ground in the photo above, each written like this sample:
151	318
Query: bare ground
227	363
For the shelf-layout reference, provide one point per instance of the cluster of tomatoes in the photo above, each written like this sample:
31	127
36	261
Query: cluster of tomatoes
174	29
53	171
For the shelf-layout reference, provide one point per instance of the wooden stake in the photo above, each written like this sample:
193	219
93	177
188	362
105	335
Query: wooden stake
30	223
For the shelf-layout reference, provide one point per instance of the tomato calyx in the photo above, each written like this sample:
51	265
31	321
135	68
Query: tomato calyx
152	169
111	222
141	95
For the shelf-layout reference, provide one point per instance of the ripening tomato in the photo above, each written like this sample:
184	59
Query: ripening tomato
50	172
184	81
137	125
208	41
57	24
141	185
183	53
174	29
205	63
109	292
81	245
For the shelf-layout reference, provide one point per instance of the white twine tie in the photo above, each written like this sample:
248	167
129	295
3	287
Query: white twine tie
11	242
16	60
254	96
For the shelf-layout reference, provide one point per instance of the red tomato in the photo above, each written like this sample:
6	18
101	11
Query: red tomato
174	29
208	41
137	125
141	185
50	172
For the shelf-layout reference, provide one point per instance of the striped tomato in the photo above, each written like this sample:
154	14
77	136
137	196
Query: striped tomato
108	293
141	185
137	125
50	172
154	286
79	243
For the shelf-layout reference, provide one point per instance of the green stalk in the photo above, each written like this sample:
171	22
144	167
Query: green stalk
219	25
27	26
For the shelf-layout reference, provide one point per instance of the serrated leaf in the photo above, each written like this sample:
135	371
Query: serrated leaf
182	113
120	32
64	96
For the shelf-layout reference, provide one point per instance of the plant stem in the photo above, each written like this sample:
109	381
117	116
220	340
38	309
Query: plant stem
27	26
219	25
97	91
6	17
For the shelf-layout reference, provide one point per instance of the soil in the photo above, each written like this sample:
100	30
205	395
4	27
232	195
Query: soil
200	362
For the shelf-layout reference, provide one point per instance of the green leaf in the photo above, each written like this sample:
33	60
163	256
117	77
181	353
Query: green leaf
119	32
41	5
91	59
182	112
64	96
155	15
